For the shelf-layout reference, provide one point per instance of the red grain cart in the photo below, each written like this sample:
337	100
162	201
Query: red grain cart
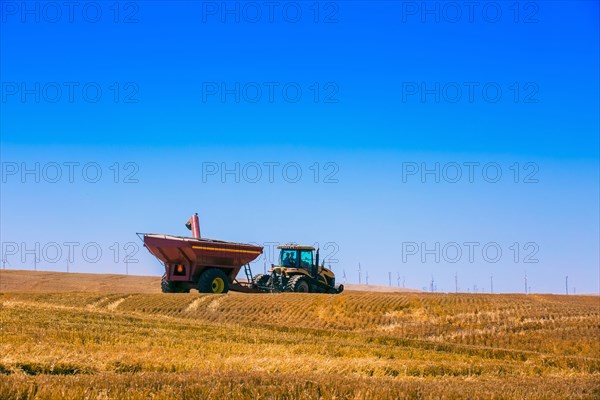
208	265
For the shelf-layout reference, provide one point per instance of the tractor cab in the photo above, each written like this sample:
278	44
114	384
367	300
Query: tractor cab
298	257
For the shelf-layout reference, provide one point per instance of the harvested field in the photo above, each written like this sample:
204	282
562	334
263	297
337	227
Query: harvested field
127	344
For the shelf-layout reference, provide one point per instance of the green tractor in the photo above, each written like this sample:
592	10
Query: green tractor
298	271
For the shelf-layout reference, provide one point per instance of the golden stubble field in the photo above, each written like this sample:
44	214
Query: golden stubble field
126	344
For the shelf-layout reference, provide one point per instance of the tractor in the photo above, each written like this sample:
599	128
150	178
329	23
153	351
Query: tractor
298	271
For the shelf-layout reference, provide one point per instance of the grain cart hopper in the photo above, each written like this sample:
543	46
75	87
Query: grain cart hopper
298	271
208	265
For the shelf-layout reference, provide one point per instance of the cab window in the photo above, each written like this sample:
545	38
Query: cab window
306	259
288	258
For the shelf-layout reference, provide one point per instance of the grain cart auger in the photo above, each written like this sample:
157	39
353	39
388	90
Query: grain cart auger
298	271
208	265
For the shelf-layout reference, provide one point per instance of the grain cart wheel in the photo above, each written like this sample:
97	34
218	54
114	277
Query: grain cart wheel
261	279
213	281
298	284
167	286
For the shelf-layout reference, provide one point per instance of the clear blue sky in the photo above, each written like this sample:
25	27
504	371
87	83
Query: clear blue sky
369	94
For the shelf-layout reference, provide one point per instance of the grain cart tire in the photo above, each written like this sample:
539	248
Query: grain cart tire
297	284
167	286
213	281
261	279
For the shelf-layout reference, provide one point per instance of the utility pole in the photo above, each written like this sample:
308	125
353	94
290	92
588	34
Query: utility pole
456	282
359	275
567	284
432	283
525	282
390	278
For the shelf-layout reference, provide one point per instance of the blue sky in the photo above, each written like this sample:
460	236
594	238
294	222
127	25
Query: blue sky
361	92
